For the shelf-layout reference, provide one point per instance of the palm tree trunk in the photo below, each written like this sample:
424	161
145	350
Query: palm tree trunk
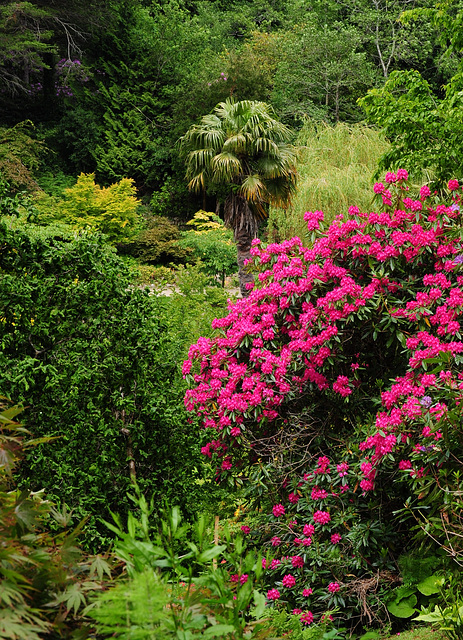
239	217
243	247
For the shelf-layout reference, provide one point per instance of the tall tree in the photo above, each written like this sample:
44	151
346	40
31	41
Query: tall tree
321	72
424	128
241	149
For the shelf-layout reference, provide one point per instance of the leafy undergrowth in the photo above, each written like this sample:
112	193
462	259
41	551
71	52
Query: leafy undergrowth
420	633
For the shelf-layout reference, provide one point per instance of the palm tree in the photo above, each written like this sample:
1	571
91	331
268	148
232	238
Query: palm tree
241	147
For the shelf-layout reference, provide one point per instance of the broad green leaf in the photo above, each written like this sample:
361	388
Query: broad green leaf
218	630
210	554
404	608
430	585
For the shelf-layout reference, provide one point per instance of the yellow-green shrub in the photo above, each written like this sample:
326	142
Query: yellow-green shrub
111	210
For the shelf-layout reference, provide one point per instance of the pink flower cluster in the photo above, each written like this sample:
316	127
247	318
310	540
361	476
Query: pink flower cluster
321	517
288	581
278	510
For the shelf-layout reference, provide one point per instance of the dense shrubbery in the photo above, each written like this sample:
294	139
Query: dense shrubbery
45	580
307	360
212	244
110	210
157	244
97	361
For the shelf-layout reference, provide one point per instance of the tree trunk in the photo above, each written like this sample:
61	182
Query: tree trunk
239	217
243	247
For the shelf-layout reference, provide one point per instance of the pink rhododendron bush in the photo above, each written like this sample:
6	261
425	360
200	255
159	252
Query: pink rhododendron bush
335	387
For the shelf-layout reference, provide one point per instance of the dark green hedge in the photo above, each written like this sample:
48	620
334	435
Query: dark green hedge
97	364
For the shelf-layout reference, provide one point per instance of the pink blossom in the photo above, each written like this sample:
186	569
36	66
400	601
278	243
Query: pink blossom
307	592
245	529
278	510
307	617
318	494
273	594
391	177
405	464
293	498
288	581
335	538
276	541
226	464
322	517
342	469
297	562
333	587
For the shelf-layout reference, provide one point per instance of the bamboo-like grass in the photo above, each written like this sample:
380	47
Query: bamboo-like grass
336	166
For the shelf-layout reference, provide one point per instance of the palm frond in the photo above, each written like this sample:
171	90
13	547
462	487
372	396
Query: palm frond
236	143
198	182
266	145
225	167
241	145
252	188
199	161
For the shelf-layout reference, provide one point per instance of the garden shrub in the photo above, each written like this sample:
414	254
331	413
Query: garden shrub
309	357
176	582
157	244
98	363
45	580
110	210
212	243
20	156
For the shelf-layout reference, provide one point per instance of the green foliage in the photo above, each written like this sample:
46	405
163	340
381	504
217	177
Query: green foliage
339	72
250	69
335	168
44	579
102	358
24	43
422	124
11	203
129	139
448	616
284	624
150	274
212	244
110	210
415	568
55	183
424	131
132	609
189	573
157	244
19	156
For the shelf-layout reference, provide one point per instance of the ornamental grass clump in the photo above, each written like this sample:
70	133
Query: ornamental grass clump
378	297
